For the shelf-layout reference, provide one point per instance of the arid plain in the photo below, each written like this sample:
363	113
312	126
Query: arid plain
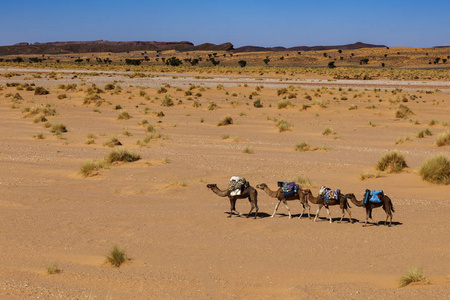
176	232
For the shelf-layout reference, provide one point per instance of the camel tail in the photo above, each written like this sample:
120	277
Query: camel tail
392	207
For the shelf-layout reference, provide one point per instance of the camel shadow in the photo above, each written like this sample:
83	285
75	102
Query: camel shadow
381	223
261	215
344	220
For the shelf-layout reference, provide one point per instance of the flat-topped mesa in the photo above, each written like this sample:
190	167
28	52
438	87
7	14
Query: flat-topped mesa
66	47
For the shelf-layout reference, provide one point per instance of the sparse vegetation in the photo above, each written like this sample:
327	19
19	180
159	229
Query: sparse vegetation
53	269
112	142
248	150
368	175
227	120
436	169
116	257
403	111
413	275
123	115
121	155
392	162
443	139
283	125
423	133
328	131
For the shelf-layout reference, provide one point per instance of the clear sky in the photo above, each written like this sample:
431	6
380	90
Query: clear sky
289	23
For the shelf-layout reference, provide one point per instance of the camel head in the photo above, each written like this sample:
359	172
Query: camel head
351	195
211	186
261	186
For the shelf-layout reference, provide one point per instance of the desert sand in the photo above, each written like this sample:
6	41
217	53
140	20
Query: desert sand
176	232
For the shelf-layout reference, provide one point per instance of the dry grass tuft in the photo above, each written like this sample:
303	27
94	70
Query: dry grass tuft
423	133
123	115
53	269
227	120
283	125
443	139
436	169
284	103
121	154
112	141
413	275
328	131
403	111
90	168
392	162
368	175
116	257
248	150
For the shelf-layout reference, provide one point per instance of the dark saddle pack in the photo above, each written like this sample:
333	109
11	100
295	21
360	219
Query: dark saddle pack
373	196
288	188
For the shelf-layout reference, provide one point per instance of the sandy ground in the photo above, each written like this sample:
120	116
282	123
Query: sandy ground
176	231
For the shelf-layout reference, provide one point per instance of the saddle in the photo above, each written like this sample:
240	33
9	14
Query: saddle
328	194
373	196
288	188
237	185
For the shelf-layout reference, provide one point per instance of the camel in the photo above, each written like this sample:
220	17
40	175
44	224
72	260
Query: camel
251	193
386	203
343	204
282	198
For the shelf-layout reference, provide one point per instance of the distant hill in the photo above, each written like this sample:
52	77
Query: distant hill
106	46
117	47
357	45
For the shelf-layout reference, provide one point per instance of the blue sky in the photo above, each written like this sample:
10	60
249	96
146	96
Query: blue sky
260	23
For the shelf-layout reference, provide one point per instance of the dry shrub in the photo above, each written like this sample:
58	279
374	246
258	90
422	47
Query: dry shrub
112	141
328	131
443	139
46	110
53	269
90	168
403	111
121	154
368	175
436	169
116	257
39	90
123	115
413	275
283	125
392	162
284	103
303	146
58	127
227	120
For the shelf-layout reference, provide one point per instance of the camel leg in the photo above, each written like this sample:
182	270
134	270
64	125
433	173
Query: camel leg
288	209
251	209
303	210
309	210
350	214
329	215
256	210
233	207
317	213
367	217
343	215
276	208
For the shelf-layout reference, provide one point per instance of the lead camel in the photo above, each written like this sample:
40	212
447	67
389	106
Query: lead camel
249	193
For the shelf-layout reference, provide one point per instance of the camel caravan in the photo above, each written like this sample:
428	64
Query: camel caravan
239	188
